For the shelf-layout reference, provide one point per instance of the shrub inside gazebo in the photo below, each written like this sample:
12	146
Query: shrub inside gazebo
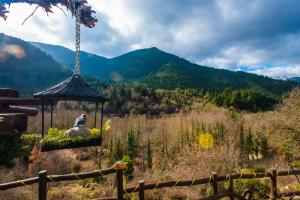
72	89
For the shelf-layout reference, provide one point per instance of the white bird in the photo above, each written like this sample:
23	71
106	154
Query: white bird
80	121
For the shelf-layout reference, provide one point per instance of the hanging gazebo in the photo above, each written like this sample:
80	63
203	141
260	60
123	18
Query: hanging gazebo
73	89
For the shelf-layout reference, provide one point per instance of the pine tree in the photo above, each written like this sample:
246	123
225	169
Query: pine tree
264	146
249	142
132	144
242	142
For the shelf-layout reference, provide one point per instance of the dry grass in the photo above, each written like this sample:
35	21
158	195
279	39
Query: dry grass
176	152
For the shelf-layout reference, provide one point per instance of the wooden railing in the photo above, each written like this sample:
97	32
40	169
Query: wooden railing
43	179
214	179
122	192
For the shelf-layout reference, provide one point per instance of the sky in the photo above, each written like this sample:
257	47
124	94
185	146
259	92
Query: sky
258	36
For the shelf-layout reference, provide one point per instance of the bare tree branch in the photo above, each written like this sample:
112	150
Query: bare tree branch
30	15
86	12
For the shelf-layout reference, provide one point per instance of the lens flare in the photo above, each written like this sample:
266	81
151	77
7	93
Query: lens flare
116	76
206	140
11	50
107	126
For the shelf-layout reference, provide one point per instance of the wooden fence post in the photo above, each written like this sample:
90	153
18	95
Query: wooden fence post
120	184
273	185
141	189
214	183
43	185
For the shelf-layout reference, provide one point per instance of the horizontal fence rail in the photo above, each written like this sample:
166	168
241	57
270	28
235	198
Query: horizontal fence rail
119	167
208	180
58	178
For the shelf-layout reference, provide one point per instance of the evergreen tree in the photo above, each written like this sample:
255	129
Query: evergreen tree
242	142
249	142
132	144
264	146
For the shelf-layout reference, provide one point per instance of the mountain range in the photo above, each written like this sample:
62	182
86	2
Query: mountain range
46	64
160	69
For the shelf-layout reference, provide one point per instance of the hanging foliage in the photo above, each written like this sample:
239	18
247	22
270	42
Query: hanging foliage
47	5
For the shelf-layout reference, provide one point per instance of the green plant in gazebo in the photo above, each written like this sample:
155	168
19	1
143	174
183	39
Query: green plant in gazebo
57	139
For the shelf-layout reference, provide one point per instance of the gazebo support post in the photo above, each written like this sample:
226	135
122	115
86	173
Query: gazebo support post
51	112
43	118
96	111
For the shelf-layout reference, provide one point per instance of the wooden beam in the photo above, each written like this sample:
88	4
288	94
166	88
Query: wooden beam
24	102
8	92
17	109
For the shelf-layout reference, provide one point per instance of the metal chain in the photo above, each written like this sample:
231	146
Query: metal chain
77	14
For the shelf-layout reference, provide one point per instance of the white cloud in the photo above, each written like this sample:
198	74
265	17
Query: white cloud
280	71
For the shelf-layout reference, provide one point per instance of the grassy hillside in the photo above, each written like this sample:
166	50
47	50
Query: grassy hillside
27	68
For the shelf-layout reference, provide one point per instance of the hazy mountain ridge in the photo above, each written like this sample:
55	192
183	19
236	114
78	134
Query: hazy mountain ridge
26	67
90	63
295	79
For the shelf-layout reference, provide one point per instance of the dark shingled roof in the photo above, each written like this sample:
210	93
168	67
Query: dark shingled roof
74	88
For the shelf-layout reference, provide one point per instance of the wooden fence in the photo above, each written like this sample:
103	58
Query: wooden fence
122	192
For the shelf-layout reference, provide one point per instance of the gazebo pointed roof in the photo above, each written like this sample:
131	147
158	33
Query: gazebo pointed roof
74	88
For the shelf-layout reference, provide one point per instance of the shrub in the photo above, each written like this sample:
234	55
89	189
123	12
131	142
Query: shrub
16	146
10	148
259	187
132	144
295	163
76	167
55	133
95	131
219	132
129	166
285	151
117	151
